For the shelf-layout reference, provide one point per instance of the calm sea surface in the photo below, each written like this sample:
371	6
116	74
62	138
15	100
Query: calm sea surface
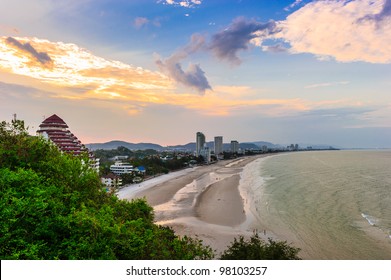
332	204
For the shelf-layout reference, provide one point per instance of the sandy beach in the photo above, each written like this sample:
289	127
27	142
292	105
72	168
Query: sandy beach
210	202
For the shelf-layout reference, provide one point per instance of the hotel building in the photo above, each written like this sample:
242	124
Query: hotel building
120	168
56	130
200	143
111	181
234	146
218	145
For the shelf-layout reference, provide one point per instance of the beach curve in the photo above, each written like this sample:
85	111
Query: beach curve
208	202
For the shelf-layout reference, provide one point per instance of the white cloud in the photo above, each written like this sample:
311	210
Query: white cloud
183	3
329	84
293	5
341	29
140	22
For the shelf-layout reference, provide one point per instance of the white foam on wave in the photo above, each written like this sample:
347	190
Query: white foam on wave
375	222
250	188
371	220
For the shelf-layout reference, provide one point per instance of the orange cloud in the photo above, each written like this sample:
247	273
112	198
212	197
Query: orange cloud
75	73
76	67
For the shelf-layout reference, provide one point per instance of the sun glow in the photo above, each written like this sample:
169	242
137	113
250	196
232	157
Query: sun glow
86	76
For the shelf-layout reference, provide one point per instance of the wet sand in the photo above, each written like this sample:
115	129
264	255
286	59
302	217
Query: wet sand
221	203
204	202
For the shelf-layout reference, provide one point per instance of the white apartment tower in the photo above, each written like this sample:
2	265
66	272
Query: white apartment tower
200	142
234	146
218	145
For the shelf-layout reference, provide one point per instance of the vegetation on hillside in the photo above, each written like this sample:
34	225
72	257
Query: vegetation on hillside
155	162
52	207
107	155
257	249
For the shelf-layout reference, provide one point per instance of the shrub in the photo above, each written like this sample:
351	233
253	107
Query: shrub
257	249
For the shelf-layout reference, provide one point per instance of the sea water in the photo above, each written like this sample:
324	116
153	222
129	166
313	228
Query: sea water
331	204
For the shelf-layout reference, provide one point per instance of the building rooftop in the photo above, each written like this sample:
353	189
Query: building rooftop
111	176
53	121
55	129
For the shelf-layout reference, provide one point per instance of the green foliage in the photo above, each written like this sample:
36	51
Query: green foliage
258	249
127	178
149	158
52	207
106	155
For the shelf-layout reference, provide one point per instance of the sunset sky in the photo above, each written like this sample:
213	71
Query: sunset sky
284	71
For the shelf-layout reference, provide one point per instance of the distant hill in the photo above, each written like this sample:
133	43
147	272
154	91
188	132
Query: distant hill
186	147
267	144
191	146
243	146
145	146
315	146
131	146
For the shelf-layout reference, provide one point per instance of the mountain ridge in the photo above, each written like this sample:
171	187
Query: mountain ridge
114	144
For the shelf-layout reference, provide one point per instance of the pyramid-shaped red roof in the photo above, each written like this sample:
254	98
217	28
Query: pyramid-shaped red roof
54	120
56	130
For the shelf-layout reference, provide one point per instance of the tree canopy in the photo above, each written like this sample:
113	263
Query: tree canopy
53	206
257	249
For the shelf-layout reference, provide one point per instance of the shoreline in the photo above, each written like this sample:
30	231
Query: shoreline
194	204
212	203
218	199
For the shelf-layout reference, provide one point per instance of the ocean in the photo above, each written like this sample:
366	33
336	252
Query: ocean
331	204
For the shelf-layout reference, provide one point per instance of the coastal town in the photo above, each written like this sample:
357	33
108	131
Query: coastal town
208	187
207	192
121	166
190	187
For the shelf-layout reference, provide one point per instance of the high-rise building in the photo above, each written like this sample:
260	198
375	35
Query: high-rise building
218	145
206	153
234	146
200	142
56	130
